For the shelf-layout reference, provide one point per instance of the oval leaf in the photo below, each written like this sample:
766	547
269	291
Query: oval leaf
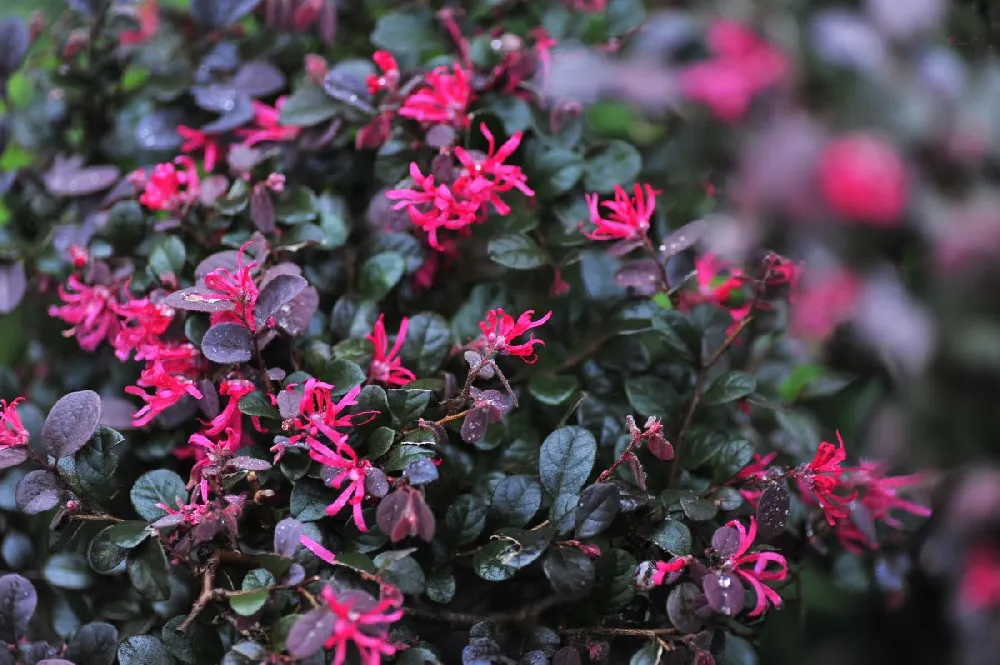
227	343
71	422
278	293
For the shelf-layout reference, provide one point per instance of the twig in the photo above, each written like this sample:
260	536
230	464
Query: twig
610	630
207	592
99	517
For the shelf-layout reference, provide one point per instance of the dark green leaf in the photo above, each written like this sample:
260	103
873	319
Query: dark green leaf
652	396
648	655
554	172
596	509
408	405
408	35
144	650
403	455
617	163
728	387
562	514
738	652
441	585
297	205
673	536
308	106
566	459
516	499
159	486
570	571
198	644
167	257
343	374
679	335
250	653
428	340
309	500
402	572
681	606
489	561
553	390
624	16
103	555
528	545
94	644
68	571
516	251
465	519
730	458
615	580
698	509
257	404
149	571
94	466
514	113
379	274
129	534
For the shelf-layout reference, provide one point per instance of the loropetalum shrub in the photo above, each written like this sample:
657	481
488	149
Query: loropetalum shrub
410	364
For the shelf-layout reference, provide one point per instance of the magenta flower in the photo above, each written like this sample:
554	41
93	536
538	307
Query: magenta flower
822	481
12	430
443	99
196	139
143	324
386	365
238	288
979	588
213	455
362	621
346	468
432	207
319	414
166	376
317	549
231	418
758	562
389	79
169	188
89	309
823	303
629	218
500	329
269	127
490	175
757	470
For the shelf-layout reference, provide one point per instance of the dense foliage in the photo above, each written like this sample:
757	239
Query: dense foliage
487	332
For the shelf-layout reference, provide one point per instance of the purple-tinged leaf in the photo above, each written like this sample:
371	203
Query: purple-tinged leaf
258	78
683	238
421	471
38	491
287	535
227	343
276	373
724	592
376	484
17	605
68	177
168	521
198	299
310	632
54	661
247	463
296	573
262	210
15	38
772	511
681	606
226	260
440	136
862	518
566	656
240	114
474	425
12	457
157	131
94	644
294	318
278	294
348	87
12	285
403	513
71	422
642	275
725	541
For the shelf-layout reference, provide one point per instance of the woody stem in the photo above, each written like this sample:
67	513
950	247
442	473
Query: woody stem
654	257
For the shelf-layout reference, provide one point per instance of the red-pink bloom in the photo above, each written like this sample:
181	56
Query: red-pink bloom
212	453
362	621
231	418
196	139
317	549
269	127
484	178
90	310
500	329
193	513
166	376
432	207
374	134
664	569
753	474
864	179
389	79
319	414
79	256
149	22
443	99
758	572
823	303
143	324
629	218
12	430
347	468
386	366
879	493
979	588
782	271
170	188
238	288
718	281
823	480
591	6
743	65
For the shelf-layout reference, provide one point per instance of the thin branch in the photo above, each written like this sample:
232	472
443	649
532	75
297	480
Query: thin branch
610	630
